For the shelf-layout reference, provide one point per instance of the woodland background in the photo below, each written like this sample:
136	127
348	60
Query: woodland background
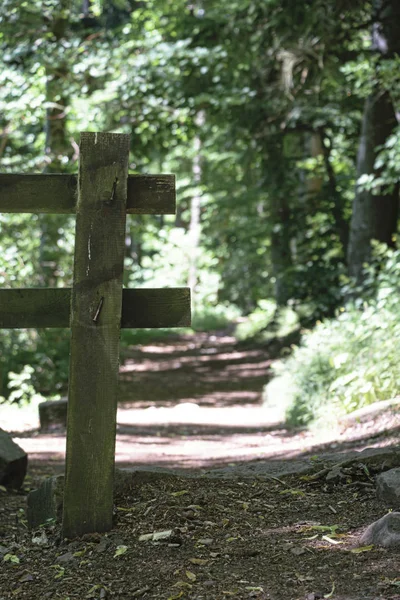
280	121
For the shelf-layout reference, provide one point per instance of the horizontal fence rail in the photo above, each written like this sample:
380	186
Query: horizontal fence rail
50	307
57	194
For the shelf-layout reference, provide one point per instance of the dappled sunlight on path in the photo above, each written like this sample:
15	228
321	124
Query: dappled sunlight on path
196	402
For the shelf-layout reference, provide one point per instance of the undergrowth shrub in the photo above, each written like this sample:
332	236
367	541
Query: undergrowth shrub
267	322
352	360
258	320
211	318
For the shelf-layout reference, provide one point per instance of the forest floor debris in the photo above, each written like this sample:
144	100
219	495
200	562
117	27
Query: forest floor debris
248	532
207	539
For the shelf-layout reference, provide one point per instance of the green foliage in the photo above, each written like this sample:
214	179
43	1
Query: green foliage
270	78
22	387
212	318
352	360
268	322
257	321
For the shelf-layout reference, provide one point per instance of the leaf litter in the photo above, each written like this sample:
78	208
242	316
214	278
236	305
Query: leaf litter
207	539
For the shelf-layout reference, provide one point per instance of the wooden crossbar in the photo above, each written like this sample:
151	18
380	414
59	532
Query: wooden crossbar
57	194
50	307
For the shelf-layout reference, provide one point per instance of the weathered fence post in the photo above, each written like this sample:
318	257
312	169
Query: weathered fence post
93	307
95	322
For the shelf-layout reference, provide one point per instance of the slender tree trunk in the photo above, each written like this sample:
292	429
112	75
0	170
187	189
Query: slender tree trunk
195	213
338	209
274	162
375	215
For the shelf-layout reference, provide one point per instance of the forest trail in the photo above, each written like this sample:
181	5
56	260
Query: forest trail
195	402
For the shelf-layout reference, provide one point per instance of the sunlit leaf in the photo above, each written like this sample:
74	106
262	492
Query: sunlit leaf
120	550
362	549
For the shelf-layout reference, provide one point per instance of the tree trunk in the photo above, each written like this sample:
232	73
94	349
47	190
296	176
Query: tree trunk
338	209
375	215
274	162
195	214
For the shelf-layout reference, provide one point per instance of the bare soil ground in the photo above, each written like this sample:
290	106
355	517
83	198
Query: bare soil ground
257	529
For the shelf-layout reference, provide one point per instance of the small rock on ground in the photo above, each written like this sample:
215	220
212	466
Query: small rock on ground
384	532
13	462
388	488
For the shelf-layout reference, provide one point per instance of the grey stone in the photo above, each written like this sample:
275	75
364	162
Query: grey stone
102	545
384	532
13	462
45	503
336	475
388	488
53	414
65	558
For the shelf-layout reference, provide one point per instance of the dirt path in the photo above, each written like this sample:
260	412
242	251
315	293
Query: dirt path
196	402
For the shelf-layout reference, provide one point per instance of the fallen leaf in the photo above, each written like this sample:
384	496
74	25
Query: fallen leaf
12	558
140	592
198	561
183	584
330	540
387	581
84	562
176	596
40	540
331	592
205	541
362	549
293	492
60	571
3	489
156	535
97	589
180	493
120	550
191	576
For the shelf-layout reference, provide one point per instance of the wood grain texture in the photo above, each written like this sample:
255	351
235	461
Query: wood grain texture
50	307
37	308
57	194
96	304
169	307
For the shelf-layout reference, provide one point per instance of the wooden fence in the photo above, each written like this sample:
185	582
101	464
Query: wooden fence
95	308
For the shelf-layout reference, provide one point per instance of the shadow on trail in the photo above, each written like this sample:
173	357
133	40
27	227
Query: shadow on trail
195	402
209	369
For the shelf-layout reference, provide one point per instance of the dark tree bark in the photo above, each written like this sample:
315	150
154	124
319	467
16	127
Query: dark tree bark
375	215
273	164
341	225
